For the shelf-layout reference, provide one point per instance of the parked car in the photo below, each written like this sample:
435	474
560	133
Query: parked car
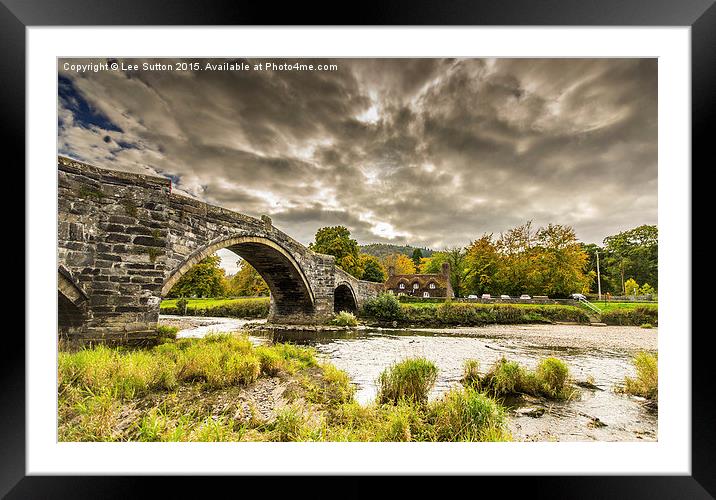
486	296
505	297
524	296
471	296
578	296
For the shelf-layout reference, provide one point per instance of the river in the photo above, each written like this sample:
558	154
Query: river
595	415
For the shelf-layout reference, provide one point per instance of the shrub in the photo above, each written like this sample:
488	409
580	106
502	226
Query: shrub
383	307
647	325
477	314
646	383
467	415
631	317
345	318
409	380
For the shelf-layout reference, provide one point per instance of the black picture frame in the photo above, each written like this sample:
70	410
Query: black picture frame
700	15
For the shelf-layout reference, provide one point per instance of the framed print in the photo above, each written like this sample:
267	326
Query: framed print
435	241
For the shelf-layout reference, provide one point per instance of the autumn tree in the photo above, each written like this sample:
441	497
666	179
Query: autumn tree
482	262
372	268
205	279
401	263
247	282
559	260
456	258
517	273
337	241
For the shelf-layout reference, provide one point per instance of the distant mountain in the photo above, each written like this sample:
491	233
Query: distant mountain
383	249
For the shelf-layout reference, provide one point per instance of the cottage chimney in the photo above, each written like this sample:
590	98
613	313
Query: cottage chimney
391	271
446	269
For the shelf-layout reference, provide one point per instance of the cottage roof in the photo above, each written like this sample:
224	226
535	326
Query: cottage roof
422	279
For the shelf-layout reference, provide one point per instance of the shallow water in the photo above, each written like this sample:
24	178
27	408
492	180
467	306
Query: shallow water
363	354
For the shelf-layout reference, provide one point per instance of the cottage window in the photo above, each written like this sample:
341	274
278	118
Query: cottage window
432	286
426	294
401	286
415	286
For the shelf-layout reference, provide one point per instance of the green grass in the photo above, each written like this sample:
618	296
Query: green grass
210	302
467	415
550	379
190	390
612	306
410	380
344	318
246	307
646	383
167	332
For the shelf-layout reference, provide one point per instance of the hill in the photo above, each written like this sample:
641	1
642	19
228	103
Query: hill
383	249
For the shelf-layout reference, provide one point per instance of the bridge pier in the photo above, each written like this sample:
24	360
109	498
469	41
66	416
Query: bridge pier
125	239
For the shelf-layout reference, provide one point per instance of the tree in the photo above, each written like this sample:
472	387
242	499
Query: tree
372	268
247	282
456	258
559	260
482	261
424	263
547	261
402	264
337	241
635	254
417	256
631	287
205	279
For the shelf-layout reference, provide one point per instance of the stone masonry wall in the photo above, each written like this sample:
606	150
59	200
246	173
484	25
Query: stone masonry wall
125	239
111	230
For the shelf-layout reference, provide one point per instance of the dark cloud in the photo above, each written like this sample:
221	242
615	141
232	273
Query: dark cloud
426	151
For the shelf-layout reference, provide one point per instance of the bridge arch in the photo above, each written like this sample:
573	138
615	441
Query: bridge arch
344	298
71	302
291	292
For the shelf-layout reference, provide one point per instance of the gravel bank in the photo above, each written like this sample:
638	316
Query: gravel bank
578	336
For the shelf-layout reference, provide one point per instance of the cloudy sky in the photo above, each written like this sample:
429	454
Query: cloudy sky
430	152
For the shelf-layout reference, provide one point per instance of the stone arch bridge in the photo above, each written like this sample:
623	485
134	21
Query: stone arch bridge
125	239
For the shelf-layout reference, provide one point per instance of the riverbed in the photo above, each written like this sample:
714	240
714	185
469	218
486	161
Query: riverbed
599	354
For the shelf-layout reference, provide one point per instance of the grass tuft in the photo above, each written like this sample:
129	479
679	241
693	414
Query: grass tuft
471	374
409	380
467	415
550	379
345	318
646	383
